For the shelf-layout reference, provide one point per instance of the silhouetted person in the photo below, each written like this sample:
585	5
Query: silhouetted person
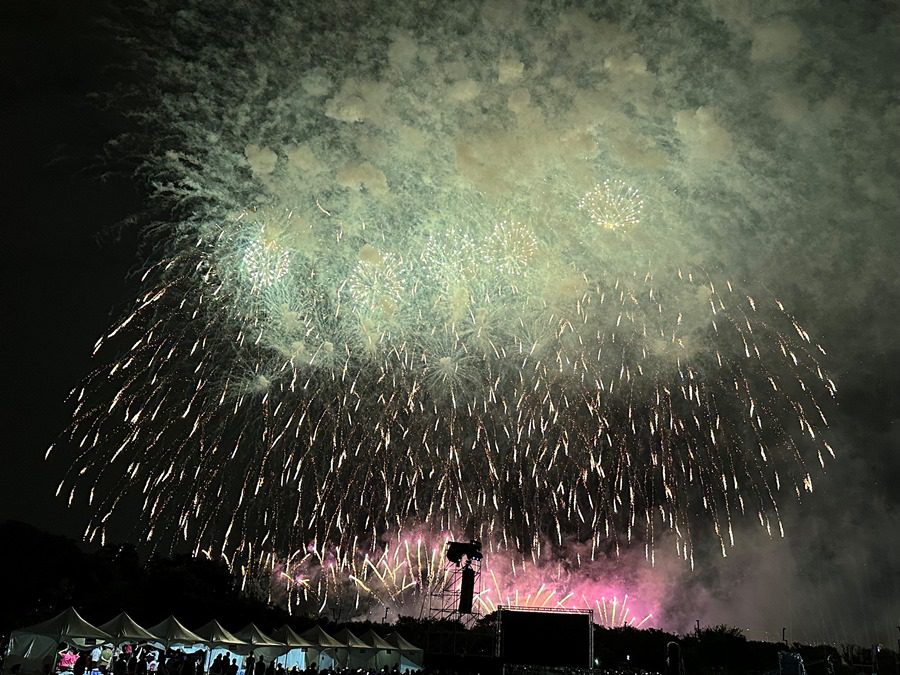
81	664
232	667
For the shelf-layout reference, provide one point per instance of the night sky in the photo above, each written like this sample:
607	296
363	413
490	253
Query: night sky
70	257
73	216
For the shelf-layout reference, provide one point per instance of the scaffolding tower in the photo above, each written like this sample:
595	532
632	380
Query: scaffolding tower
450	599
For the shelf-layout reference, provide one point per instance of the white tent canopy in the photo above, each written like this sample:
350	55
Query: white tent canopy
220	641
172	632
286	636
213	634
37	645
125	629
260	644
354	652
298	646
385	654
323	648
33	646
318	638
411	657
67	624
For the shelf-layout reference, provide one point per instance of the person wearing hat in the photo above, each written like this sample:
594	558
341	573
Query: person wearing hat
106	657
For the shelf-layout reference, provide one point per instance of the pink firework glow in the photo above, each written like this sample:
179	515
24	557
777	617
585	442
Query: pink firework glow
410	568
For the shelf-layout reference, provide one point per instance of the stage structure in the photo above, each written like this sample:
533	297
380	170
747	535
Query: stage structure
455	598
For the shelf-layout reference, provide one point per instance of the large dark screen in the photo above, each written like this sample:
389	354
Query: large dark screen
545	638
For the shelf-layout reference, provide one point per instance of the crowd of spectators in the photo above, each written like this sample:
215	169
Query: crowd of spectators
105	659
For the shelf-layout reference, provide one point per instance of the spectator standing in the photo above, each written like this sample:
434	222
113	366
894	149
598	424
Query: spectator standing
67	659
81	664
106	655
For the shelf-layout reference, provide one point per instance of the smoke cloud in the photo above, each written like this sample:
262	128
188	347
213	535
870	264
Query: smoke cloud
759	141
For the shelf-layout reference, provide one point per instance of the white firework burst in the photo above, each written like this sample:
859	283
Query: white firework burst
613	205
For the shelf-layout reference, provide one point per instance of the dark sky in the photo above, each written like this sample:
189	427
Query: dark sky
67	258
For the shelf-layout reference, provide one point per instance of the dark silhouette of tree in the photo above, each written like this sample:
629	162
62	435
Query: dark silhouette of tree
631	647
42	574
39	573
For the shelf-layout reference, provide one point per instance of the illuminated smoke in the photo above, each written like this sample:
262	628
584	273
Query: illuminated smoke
428	289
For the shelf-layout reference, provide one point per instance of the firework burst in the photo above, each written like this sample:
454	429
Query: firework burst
407	571
412	326
613	205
